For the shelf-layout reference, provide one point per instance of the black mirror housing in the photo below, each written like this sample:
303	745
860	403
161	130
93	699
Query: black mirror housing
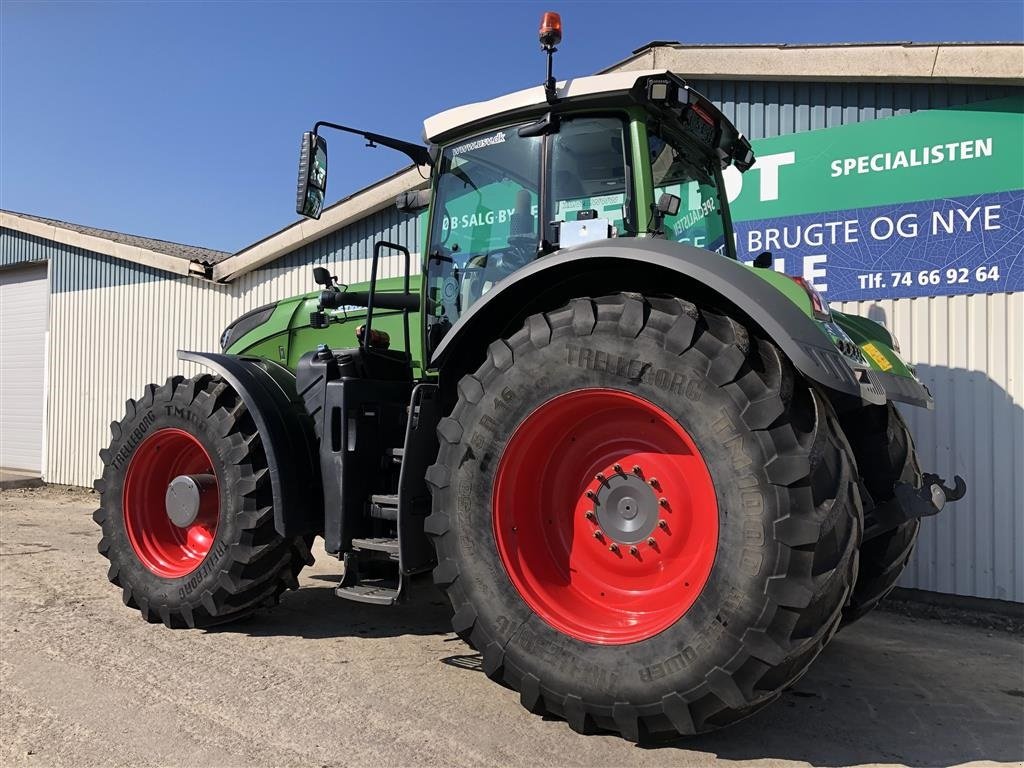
321	276
668	204
312	184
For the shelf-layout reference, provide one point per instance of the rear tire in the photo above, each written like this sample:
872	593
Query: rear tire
788	519
237	562
885	456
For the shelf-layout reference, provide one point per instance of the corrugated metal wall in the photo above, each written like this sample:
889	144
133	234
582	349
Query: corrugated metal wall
969	350
115	326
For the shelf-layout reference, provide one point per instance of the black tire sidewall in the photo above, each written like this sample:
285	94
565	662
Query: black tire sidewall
709	634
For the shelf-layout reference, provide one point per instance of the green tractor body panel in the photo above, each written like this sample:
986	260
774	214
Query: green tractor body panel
287	334
875	342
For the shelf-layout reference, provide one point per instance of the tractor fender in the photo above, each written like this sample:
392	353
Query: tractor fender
654	266
286	430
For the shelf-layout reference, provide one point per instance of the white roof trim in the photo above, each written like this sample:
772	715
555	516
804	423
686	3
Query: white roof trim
451	119
361	204
996	63
97	244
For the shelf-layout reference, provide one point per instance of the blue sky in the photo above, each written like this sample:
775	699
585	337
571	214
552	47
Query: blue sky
181	120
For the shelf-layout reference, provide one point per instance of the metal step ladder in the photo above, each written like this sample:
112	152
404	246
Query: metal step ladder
363	581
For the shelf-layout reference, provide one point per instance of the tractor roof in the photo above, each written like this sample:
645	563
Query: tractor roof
450	122
610	90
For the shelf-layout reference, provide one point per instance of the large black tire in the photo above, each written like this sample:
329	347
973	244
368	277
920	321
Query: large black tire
248	565
885	456
788	529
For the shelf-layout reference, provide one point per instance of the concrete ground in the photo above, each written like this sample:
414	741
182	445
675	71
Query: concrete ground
324	682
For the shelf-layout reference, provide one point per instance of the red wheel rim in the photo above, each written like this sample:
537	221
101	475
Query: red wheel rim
574	496
163	547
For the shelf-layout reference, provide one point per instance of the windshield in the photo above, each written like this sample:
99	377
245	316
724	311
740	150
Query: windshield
484	220
679	168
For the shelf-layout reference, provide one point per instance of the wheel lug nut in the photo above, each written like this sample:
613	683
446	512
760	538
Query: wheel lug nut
662	524
617	468
633	550
663	501
589	514
598	534
591	495
651	541
600	477
613	547
637	471
653	482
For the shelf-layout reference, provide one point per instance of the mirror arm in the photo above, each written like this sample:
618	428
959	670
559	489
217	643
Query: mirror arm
416	152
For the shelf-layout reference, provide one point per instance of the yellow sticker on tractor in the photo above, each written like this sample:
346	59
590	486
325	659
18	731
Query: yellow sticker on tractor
876	354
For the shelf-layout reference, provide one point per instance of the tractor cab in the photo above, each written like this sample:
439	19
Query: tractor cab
631	155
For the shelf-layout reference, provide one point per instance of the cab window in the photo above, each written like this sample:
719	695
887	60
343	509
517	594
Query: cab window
589	170
484	220
680	168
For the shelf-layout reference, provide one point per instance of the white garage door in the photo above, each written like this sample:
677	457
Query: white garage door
23	315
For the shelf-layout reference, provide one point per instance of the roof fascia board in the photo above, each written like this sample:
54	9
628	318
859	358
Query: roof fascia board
977	63
95	244
360	205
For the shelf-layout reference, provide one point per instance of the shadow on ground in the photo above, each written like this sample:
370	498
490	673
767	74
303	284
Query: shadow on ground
316	612
883	693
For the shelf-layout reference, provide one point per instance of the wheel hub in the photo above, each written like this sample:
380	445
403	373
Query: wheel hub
186	495
626	507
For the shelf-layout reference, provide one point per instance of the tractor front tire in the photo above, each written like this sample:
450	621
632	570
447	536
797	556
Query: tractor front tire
228	560
645	521
885	453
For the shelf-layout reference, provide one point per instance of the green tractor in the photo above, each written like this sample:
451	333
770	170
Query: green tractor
653	481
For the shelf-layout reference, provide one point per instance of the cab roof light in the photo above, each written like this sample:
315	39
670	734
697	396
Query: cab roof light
664	91
550	32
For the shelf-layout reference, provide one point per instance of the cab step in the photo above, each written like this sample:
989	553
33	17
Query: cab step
388	546
384	506
373	591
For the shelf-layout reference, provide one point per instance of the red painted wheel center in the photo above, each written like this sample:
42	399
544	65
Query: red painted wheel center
163	547
605	516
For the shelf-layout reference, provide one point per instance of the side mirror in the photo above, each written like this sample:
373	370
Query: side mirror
321	276
312	187
668	204
413	201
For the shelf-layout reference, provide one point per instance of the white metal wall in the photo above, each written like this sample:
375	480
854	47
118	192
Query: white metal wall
23	305
969	350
